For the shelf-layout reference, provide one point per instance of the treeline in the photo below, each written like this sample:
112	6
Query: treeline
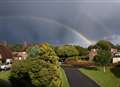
104	44
70	51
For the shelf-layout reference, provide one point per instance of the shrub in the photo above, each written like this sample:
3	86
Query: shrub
80	63
43	52
35	72
33	51
41	69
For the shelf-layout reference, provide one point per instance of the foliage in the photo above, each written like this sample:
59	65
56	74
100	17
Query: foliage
71	52
64	78
118	47
44	52
104	45
82	51
92	47
84	57
16	47
33	51
75	58
67	51
41	69
36	72
103	58
79	63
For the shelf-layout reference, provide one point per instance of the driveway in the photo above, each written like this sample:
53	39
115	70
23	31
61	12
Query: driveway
77	79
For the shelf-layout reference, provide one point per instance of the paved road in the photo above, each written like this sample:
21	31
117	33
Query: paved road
77	79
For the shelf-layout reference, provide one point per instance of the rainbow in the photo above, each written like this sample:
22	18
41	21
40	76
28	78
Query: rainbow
79	34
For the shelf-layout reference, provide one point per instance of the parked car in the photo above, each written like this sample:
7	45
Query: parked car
7	65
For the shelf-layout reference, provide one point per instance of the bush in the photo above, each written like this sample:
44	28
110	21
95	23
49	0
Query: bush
75	58
35	72
41	69
80	63
33	51
43	52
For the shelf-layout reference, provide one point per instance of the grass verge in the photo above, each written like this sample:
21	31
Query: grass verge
4	75
64	79
110	78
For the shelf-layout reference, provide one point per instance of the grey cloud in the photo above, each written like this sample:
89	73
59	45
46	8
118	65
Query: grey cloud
95	19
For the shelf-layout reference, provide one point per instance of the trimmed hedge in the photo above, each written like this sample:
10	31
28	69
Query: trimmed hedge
80	63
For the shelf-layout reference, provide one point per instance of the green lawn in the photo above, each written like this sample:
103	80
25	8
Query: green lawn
110	78
64	78
4	75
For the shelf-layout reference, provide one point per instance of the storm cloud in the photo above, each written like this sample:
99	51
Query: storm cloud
94	19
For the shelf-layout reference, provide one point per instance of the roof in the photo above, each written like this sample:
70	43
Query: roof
5	52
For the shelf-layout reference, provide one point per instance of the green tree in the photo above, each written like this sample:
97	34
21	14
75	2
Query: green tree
48	54
34	51
103	58
82	51
35	73
92	47
67	51
104	45
41	67
117	47
44	52
16	47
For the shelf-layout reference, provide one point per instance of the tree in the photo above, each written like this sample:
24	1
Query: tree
104	45
41	68
33	52
48	54
82	51
117	47
35	73
44	52
16	47
67	51
103	58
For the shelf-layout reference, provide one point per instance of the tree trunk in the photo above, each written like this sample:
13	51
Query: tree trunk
104	69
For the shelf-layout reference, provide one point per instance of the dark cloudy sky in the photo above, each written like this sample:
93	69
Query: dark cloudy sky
60	21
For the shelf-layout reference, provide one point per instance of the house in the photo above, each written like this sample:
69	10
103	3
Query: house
116	57
92	54
113	51
5	53
19	55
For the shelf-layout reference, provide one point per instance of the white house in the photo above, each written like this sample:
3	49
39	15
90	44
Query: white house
116	57
20	55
